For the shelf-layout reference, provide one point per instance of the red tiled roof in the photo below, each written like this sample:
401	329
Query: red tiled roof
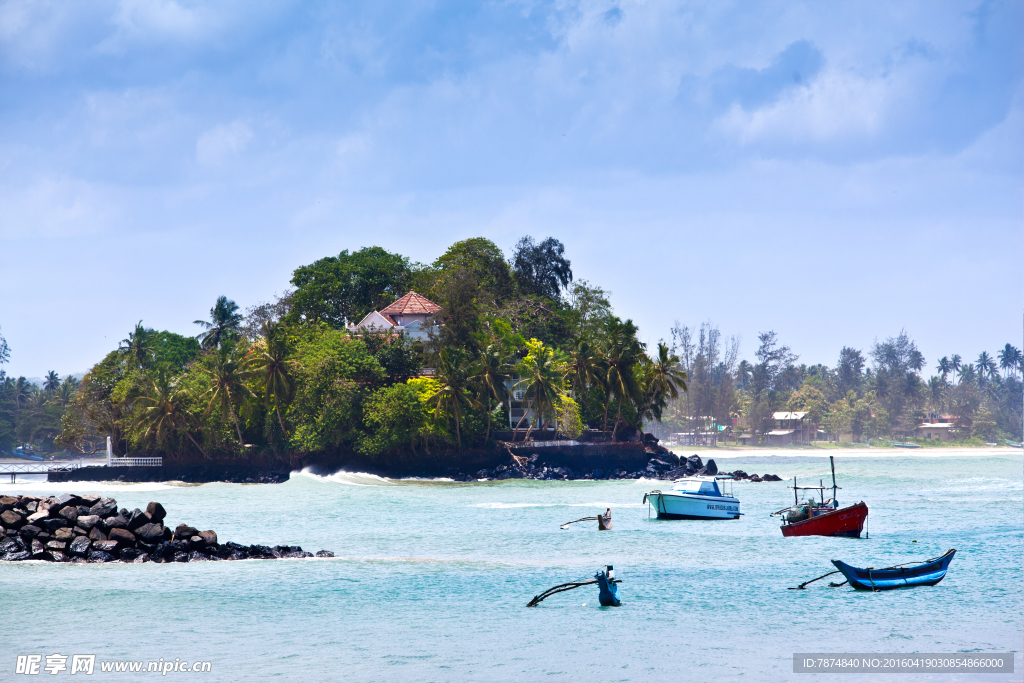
412	304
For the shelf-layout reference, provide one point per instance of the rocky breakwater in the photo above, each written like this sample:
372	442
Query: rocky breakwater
89	528
664	465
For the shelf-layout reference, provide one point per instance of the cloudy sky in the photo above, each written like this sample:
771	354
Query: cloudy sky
833	171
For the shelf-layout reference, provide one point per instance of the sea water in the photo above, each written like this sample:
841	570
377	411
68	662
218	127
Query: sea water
431	578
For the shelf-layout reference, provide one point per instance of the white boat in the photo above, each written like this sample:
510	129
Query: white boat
695	498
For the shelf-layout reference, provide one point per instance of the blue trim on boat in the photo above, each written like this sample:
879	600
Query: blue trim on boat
927	573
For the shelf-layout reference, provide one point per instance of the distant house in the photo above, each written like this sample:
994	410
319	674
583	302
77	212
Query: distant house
934	430
790	428
409	314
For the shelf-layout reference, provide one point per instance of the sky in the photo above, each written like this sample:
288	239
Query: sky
836	172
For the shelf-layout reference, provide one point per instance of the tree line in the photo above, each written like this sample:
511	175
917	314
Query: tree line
291	376
880	394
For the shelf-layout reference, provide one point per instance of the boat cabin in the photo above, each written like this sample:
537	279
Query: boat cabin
701	486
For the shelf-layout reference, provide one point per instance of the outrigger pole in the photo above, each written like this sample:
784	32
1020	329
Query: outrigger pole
581	519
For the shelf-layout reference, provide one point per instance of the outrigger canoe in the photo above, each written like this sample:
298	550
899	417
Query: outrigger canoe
927	573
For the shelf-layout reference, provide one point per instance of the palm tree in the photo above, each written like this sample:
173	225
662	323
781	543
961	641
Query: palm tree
269	363
586	367
663	378
986	366
164	411
542	374
63	396
22	391
453	396
955	364
490	372
228	387
743	373
936	391
224	322
622	352
944	367
138	347
967	374
1008	359
52	382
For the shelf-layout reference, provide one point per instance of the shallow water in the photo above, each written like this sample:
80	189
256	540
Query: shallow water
432	578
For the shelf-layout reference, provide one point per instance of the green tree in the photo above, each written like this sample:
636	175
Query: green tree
663	378
5	350
228	390
138	347
542	375
484	261
164	411
224	324
622	351
395	418
541	269
269	364
52	382
489	375
348	286
453	396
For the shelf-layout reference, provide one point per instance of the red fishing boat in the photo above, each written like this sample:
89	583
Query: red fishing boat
824	517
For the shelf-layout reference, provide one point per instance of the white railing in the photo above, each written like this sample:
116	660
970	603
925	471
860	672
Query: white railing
135	462
542	444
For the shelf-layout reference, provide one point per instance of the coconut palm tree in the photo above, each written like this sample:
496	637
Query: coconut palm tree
52	382
986	366
164	411
228	388
622	351
64	395
944	367
937	391
1009	359
269	363
453	396
490	372
663	377
743	373
542	374
955	364
586	367
224	322
138	346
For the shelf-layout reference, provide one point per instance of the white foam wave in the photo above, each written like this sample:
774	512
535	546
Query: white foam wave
347	478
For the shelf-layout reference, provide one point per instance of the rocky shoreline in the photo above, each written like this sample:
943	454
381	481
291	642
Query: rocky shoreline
666	466
90	528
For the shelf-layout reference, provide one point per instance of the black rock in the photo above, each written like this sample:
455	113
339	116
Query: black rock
181	557
16	556
483	474
123	512
137	519
196	556
29	531
11	545
68	499
70	513
324	553
122	537
756	479
771	477
156	512
87	522
7	502
105	508
80	546
260	551
97	535
37	549
56	556
55	523
184	532
100	556
11	519
151	533
91	499
129	554
105	546
114	522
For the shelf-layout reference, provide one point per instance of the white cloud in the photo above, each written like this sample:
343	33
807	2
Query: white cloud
215	146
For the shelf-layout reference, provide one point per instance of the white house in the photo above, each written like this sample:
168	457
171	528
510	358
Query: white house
408	314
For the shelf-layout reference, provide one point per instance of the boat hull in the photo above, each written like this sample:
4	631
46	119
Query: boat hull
848	521
926	574
683	506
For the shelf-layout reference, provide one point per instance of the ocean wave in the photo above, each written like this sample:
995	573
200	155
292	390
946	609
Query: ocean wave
347	478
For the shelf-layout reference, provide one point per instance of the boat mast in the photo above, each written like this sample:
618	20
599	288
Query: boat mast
832	460
795	501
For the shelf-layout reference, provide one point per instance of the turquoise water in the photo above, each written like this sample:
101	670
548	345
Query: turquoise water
431	579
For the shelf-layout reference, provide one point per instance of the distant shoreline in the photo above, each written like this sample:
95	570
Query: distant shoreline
796	451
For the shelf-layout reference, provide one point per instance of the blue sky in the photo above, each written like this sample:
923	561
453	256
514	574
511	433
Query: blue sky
833	171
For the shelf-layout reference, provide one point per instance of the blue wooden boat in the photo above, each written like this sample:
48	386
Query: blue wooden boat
927	573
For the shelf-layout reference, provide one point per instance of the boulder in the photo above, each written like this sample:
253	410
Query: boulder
105	546
209	537
82	510
771	477
87	522
11	519
100	556
68	499
70	513
37	549
150	533
129	554
124	513
755	479
184	532
137	519
114	522
30	505
56	556
324	553
80	546
695	461
181	556
54	523
8	545
123	537
29	531
17	556
105	508
64	534
156	512
97	535
90	499
7	502
196	556
143	557
56	545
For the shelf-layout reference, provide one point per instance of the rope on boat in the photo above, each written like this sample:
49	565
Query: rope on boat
581	519
833	584
561	588
801	586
